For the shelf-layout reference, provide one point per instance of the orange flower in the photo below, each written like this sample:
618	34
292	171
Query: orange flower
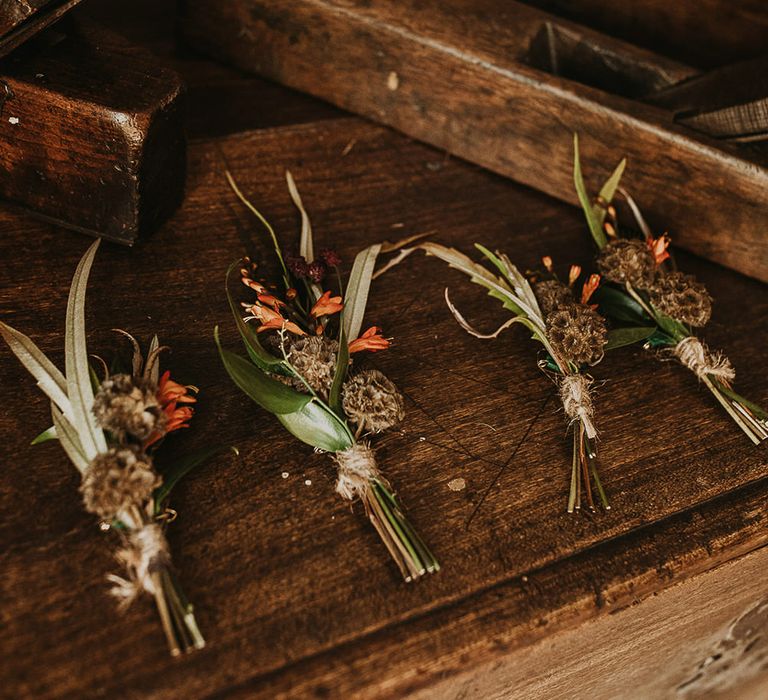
326	305
370	340
170	394
658	246
573	274
589	288
272	320
270	300
547	262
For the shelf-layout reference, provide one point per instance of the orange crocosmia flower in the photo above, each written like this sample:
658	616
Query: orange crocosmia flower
370	340
169	395
547	262
270	300
589	288
326	305
658	246
573	274
272	320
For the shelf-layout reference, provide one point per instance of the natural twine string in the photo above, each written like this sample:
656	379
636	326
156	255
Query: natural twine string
357	468
577	401
146	551
696	357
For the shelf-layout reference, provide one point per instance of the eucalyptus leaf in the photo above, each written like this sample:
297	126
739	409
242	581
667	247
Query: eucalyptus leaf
595	226
619	337
49	378
358	287
45	436
270	394
79	389
315	425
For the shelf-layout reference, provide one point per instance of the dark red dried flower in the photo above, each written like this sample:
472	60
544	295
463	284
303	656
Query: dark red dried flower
316	271
330	257
297	265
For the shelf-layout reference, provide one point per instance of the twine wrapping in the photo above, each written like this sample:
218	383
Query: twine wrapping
145	552
577	401
357	468
696	357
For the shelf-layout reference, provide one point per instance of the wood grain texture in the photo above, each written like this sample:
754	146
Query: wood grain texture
291	586
22	19
461	75
91	134
705	33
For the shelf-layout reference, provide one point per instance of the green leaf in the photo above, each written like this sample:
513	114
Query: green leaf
607	192
50	380
672	327
179	469
306	244
315	425
619	306
253	346
45	436
270	394
77	371
618	337
586	203
358	287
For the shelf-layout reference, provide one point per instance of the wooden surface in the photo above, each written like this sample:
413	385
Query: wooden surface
489	95
22	19
291	587
92	133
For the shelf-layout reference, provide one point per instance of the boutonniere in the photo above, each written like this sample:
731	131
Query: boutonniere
303	336
111	428
573	336
648	300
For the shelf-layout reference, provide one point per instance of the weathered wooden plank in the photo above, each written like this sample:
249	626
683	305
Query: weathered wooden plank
22	19
291	588
91	132
496	96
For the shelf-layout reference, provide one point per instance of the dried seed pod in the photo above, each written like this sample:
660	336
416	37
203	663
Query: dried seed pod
681	297
577	333
127	406
627	260
371	401
550	294
116	480
314	358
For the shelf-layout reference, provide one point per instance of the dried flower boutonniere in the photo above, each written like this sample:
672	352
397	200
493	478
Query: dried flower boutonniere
649	301
301	342
110	429
573	335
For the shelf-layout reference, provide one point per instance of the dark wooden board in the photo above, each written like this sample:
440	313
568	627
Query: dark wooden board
291	586
491	95
22	19
91	132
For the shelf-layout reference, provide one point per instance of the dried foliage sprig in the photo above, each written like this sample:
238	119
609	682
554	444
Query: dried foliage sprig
301	339
573	335
110	429
648	300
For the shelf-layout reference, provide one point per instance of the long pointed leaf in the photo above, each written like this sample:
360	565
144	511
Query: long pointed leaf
306	243
608	190
270	394
358	287
69	440
50	380
595	226
79	387
45	436
619	337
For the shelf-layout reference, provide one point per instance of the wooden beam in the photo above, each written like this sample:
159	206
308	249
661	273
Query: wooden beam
506	86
